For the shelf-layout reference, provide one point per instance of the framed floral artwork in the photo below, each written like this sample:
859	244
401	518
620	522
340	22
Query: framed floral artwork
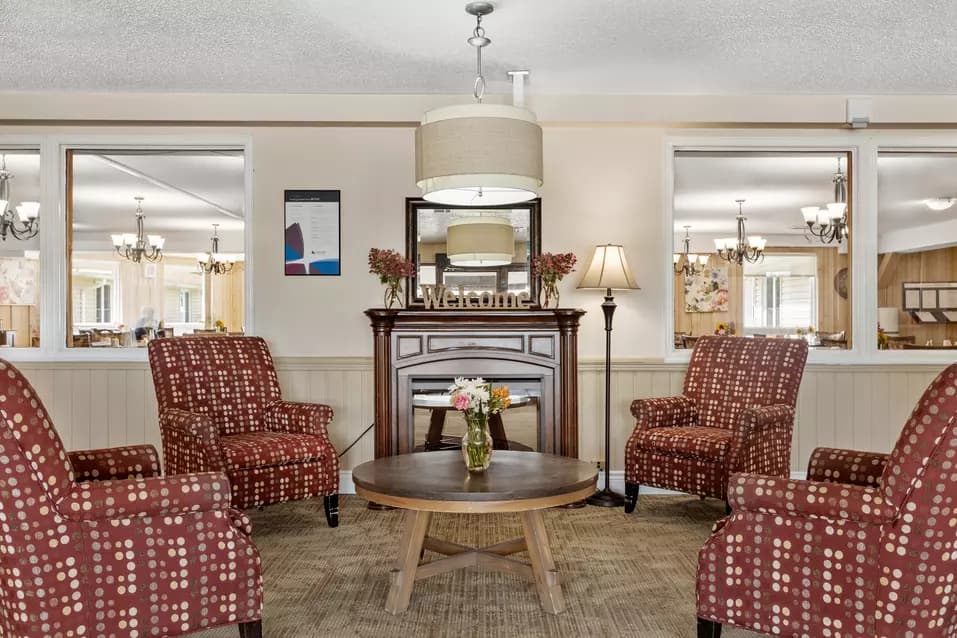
707	291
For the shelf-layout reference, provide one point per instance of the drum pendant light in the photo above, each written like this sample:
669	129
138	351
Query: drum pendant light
478	154
480	241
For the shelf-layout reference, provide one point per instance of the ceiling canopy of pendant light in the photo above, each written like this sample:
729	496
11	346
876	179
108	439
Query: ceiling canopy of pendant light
480	241
478	154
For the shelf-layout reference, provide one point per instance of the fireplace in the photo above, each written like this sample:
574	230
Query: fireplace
419	352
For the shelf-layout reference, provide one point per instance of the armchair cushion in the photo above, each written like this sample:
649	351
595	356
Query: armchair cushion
696	442
298	418
156	496
133	461
767	495
846	466
265	449
664	412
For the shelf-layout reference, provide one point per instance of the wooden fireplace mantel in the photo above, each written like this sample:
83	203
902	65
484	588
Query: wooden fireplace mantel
537	343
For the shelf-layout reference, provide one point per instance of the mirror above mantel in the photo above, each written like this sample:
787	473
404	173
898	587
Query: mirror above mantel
472	249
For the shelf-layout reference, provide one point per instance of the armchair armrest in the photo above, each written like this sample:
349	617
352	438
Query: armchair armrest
106	464
298	418
190	442
851	467
777	496
761	442
664	412
158	496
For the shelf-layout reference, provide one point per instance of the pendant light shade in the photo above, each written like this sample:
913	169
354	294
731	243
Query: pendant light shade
480	241
478	155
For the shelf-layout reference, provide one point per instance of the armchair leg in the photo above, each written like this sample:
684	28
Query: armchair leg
331	505
631	497
252	629
708	629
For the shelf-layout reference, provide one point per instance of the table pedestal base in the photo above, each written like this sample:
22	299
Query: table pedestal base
409	569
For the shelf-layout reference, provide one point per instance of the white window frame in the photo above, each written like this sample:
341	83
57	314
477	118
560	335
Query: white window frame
115	300
52	237
863	147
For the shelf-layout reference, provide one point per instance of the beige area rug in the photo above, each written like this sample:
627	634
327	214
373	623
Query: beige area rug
624	575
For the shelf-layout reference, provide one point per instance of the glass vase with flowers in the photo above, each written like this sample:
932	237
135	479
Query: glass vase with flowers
550	268
476	399
391	268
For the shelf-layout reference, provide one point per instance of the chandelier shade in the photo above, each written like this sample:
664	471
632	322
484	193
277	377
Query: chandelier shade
478	154
480	241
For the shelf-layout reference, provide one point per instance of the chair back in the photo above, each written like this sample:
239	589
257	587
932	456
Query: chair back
231	379
728	375
917	550
36	543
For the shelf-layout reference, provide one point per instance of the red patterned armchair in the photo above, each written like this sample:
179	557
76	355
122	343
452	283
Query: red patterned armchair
97	544
221	410
865	547
736	415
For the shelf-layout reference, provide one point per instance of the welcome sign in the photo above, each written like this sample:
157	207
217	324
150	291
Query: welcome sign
438	297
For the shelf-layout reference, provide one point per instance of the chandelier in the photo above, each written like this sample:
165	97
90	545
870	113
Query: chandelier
829	224
213	262
692	264
140	246
22	224
742	248
478	154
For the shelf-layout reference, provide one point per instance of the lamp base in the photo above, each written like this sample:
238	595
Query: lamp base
606	498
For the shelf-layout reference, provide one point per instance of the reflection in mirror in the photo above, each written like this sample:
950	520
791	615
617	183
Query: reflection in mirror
917	250
20	248
472	250
163	274
761	246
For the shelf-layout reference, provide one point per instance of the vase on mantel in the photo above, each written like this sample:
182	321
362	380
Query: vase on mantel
548	296
393	294
477	443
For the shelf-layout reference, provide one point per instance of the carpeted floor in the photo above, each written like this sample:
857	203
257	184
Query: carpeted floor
624	575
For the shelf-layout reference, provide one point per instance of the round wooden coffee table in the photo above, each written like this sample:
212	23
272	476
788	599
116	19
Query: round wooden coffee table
523	482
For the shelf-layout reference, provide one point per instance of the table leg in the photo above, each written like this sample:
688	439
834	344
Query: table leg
543	567
410	549
497	429
433	440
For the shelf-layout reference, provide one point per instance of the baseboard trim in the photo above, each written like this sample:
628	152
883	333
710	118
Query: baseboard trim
616	479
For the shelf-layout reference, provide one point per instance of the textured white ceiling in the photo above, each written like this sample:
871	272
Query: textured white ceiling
418	46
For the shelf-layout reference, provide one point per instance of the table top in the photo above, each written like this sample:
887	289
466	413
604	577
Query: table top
438	481
444	401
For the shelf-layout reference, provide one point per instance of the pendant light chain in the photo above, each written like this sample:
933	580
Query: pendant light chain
479	41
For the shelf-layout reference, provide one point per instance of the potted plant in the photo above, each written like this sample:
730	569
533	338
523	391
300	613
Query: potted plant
391	268
550	268
477	400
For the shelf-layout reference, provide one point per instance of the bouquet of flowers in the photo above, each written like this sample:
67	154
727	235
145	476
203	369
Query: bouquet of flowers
477	399
551	268
391	268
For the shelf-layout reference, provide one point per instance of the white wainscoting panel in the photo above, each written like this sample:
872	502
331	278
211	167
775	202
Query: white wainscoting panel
856	406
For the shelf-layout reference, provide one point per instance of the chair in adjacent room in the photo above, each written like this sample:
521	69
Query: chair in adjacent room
96	543
863	548
736	414
220	409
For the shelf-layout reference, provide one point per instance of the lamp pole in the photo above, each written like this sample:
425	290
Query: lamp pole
607	497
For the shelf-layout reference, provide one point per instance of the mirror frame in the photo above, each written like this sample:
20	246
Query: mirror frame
414	204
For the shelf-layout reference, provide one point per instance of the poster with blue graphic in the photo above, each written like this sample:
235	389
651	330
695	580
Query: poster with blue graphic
312	232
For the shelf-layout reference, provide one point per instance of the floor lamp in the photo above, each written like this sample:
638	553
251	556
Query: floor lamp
608	270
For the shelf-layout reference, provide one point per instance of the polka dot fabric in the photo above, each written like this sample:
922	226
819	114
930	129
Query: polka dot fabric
126	557
865	549
736	415
221	410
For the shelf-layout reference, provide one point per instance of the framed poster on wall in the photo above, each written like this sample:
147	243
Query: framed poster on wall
312	225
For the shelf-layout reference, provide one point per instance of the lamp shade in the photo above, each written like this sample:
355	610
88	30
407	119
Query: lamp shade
608	269
889	320
480	241
478	155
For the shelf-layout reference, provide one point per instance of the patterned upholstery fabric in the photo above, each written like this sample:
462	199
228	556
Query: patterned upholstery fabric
745	388
852	555
697	442
147	556
221	410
